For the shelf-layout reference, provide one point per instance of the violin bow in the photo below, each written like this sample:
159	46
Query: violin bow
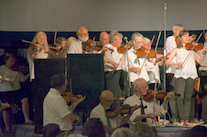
147	53
158	39
191	50
55	37
154	99
71	85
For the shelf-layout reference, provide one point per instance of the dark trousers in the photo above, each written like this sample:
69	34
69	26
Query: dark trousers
184	87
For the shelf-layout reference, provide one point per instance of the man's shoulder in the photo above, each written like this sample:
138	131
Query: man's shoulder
128	99
170	38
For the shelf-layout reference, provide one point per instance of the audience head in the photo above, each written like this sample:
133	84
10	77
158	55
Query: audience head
147	43
142	129
76	135
115	38
9	59
51	130
59	82
140	87
104	38
122	132
176	29
106	99
198	131
137	40
93	127
82	34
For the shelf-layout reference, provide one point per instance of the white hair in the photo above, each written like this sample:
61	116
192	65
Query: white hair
176	26
135	35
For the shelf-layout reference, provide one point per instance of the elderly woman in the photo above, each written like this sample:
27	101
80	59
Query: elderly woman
10	89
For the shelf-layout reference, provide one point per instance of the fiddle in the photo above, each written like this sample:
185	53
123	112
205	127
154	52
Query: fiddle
194	46
91	45
70	97
123	48
160	94
124	109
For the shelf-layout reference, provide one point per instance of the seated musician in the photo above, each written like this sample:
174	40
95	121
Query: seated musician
100	111
55	108
10	90
104	39
145	114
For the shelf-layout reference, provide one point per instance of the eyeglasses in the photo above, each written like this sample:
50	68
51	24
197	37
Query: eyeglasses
109	101
84	34
145	87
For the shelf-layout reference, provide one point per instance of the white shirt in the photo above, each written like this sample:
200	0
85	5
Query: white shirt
40	55
10	75
129	60
99	112
189	67
135	100
114	56
170	45
203	66
153	71
77	48
55	109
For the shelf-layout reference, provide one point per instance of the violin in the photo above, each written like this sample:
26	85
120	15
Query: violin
194	46
152	53
124	109
91	45
69	97
123	48
160	94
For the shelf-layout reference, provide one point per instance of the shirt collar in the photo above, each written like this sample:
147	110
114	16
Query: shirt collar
55	91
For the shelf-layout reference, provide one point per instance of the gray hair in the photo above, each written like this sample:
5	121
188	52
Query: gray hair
114	35
145	39
176	26
135	35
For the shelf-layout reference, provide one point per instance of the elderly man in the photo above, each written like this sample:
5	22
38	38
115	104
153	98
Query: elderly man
55	108
135	64
112	66
76	47
104	38
100	111
145	114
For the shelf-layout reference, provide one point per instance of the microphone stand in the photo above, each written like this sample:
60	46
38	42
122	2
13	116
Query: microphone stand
128	72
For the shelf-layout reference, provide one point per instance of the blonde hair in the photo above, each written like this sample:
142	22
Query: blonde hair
35	40
122	132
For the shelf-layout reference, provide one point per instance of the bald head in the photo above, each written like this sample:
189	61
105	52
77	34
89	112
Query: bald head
106	98
106	94
82	34
141	87
104	38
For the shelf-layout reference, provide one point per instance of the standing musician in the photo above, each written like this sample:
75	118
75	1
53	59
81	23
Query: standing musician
135	63
10	89
170	70
38	51
60	44
100	111
77	47
203	76
112	66
145	114
55	108
185	75
153	65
